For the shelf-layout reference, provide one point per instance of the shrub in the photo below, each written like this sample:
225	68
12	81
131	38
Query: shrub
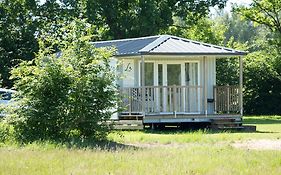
6	132
70	93
262	84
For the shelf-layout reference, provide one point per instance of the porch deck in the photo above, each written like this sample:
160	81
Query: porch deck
189	118
160	106
218	121
169	104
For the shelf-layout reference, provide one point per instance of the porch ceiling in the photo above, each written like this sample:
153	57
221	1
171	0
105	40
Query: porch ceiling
166	45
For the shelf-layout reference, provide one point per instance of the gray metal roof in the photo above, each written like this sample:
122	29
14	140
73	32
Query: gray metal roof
166	45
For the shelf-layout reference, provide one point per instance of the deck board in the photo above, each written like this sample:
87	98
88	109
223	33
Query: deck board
188	118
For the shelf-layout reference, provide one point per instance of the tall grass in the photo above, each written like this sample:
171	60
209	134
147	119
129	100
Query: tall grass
199	152
188	160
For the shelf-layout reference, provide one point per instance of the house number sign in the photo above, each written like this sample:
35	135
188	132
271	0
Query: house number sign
128	67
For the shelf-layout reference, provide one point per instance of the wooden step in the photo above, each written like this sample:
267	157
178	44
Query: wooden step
249	128
229	127
226	127
245	128
222	120
127	124
130	117
227	123
128	127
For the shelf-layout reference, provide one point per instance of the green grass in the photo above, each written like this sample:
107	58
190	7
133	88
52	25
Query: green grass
268	127
199	152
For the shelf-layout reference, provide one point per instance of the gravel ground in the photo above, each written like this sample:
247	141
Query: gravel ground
262	144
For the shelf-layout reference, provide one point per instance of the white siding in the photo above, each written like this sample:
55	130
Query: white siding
136	73
128	73
211	81
113	65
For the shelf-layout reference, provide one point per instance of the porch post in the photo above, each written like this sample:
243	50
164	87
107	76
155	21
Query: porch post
142	85
205	86
241	84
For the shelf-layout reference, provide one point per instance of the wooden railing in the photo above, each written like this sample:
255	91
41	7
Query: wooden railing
226	99
162	99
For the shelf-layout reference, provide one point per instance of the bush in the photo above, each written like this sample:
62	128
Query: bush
7	133
70	93
262	84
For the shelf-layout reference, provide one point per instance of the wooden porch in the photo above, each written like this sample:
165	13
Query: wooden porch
183	102
180	103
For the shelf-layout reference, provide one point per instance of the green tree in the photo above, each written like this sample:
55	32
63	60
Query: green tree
240	29
265	12
262	84
23	21
265	90
145	17
67	93
17	29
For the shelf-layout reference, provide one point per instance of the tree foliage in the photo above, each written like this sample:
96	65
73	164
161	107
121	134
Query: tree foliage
67	93
263	66
135	18
265	12
239	29
17	41
262	84
23	21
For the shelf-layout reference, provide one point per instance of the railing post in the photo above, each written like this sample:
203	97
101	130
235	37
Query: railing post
241	84
205	86
130	101
143	86
228	98
174	100
215	99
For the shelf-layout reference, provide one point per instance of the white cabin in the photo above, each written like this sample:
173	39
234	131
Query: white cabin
168	79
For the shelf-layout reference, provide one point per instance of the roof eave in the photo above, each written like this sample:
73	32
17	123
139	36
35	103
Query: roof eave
195	53
182	54
127	55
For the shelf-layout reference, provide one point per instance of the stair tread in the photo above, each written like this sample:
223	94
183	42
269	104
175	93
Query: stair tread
227	123
231	127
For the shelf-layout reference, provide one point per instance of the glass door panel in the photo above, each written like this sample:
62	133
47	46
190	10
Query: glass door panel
159	89
160	74
172	93
191	74
173	74
192	94
149	74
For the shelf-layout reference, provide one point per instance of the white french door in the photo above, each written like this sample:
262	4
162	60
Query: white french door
176	86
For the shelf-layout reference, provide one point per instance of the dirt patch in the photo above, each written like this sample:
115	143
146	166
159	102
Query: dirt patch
171	145
262	144
159	145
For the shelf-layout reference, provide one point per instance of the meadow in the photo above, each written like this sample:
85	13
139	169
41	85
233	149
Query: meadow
147	152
